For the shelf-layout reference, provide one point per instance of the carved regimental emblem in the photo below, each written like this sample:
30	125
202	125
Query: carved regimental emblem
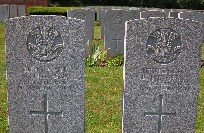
164	45
45	43
117	21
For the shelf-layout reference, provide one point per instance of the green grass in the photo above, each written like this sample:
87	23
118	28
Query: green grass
97	32
104	99
104	87
3	83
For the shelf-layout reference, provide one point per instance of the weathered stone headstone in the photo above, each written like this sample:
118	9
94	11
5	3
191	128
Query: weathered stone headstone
162	65
21	10
13	11
134	14
102	19
191	15
115	30
46	74
153	13
4	12
93	9
89	17
171	13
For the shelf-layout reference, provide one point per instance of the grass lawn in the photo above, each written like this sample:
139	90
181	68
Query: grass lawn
104	87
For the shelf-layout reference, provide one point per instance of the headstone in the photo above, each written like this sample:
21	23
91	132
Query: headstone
162	65
89	17
115	31
153	13
102	19
92	8
134	14
191	15
46	74
134	8
99	13
4	12
13	11
172	13
21	10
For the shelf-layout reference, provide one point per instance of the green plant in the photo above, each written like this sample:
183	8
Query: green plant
98	58
97	23
117	61
38	10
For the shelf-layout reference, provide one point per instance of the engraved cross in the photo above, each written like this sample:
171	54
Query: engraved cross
117	41
45	112
160	114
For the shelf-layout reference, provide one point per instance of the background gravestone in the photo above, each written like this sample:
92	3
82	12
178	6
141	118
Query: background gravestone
134	14
192	15
4	12
13	11
89	16
162	68
46	88
115	31
102	12
153	13
171	13
21	10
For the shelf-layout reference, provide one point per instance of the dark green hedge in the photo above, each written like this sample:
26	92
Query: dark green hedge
189	4
37	10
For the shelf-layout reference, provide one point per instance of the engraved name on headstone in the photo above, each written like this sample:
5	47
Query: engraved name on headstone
46	88
162	68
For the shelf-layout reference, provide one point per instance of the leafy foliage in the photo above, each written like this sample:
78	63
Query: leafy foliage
189	4
38	10
117	61
99	58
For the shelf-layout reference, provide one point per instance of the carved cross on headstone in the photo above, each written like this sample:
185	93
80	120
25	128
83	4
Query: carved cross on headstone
160	114
45	112
117	41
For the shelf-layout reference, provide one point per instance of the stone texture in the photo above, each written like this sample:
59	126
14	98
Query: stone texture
162	68
153	13
115	29
172	13
13	11
21	10
46	74
89	16
4	12
192	15
102	12
134	14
